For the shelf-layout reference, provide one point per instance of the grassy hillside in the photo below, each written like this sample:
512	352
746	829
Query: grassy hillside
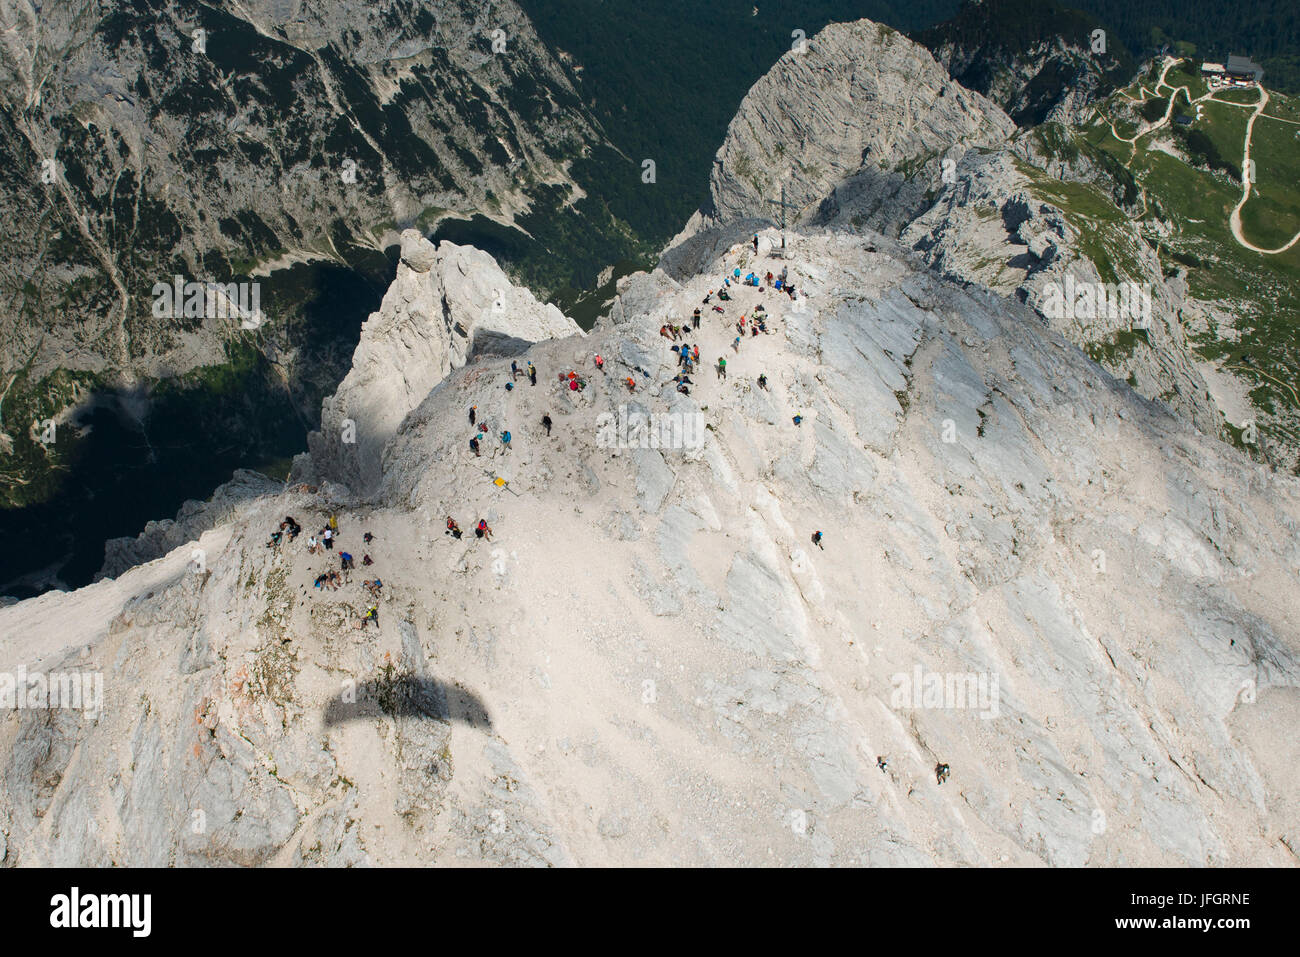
1191	180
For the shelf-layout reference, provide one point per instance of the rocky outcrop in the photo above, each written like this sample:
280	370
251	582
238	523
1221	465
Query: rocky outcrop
994	227
446	305
860	105
867	130
193	519
651	662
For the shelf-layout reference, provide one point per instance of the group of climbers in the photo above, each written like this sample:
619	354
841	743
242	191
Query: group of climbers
482	530
334	578
687	356
329	579
516	372
289	525
575	382
475	442
748	325
755	323
530	370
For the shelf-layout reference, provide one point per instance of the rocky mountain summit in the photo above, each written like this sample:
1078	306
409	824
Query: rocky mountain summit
1048	622
867	130
447	305
860	108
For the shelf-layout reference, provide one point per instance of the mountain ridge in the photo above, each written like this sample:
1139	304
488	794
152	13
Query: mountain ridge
741	692
932	587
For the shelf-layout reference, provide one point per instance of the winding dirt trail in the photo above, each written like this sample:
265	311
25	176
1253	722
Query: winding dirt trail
1234	218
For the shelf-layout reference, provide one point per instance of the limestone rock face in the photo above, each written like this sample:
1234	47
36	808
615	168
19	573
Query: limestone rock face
867	130
861	102
992	228
1029	573
444	306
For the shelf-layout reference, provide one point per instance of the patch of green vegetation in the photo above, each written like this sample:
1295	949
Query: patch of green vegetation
1196	202
1154	109
40	451
1103	236
1113	351
1225	126
914	164
1056	141
1125	128
1079	199
1272	214
743	168
1247	97
1201	150
1188	74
